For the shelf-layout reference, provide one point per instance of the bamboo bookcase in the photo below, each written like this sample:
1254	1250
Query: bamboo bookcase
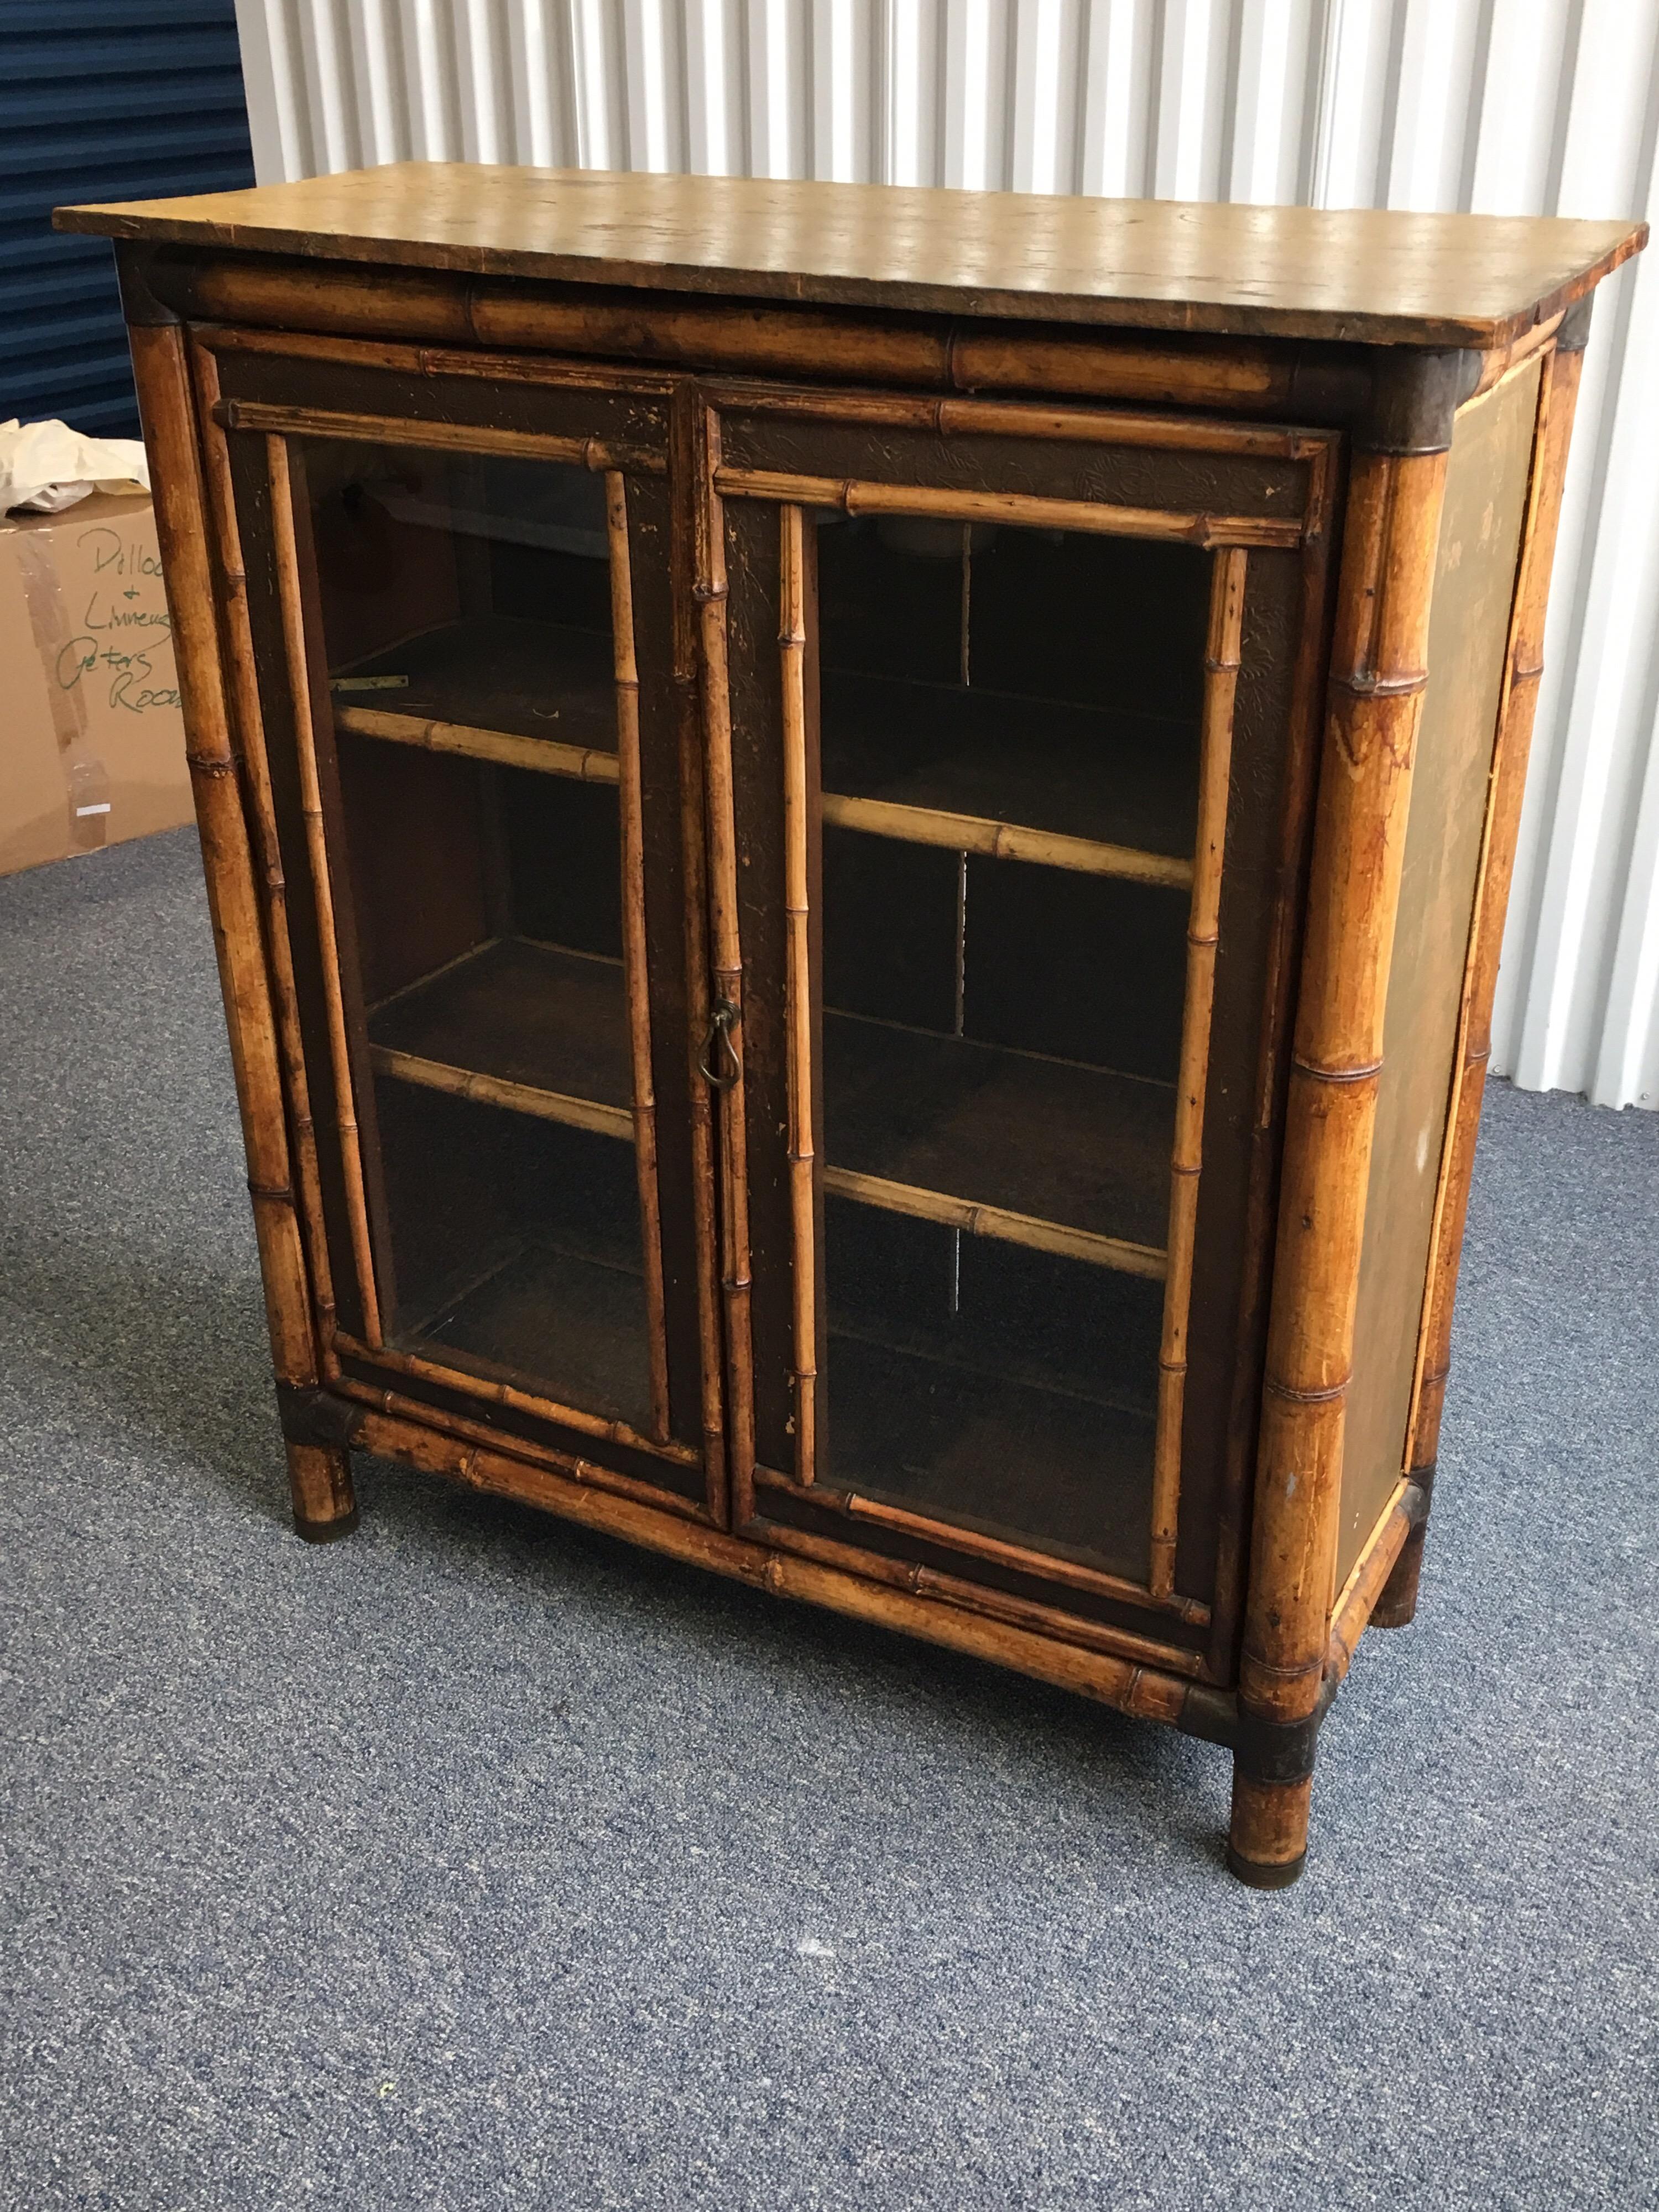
857	843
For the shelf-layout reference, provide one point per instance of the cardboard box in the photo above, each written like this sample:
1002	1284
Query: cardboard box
91	743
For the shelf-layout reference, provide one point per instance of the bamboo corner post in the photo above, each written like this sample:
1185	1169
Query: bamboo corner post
319	1470
1396	1605
1377	675
849	1357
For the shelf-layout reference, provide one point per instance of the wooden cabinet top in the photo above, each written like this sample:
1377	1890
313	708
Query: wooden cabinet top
1382	278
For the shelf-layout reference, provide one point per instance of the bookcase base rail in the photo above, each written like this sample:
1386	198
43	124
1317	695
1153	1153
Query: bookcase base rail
1273	1762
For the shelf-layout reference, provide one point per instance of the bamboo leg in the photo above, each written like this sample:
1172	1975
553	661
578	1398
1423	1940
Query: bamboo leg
1377	683
181	516
1557	395
325	1503
1203	929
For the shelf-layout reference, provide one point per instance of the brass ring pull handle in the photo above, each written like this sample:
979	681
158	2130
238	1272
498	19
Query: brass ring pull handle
720	1025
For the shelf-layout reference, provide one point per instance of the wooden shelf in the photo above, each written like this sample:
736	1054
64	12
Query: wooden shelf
990	1453
1065	1159
549	1291
930	764
1025	779
948	1129
519	1024
545	681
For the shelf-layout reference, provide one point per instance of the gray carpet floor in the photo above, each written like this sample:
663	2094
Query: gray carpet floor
478	1862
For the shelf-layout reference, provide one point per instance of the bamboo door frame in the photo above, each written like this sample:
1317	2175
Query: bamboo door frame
1229	539
615	461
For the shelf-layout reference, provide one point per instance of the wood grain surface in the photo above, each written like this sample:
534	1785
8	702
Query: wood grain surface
1386	277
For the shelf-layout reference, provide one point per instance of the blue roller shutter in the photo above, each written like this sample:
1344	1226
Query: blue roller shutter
100	102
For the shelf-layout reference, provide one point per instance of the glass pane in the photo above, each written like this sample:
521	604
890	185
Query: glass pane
1010	726
466	608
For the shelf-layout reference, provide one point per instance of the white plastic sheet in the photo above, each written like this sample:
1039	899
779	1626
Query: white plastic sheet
48	467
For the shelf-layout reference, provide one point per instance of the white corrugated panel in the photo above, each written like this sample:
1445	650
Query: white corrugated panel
1508	106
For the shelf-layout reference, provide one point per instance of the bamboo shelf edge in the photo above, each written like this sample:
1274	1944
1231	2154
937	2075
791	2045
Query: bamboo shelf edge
1003	841
496	1090
997	1222
547	756
874	817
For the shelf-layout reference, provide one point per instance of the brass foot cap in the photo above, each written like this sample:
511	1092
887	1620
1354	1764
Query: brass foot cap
326	1532
1261	1874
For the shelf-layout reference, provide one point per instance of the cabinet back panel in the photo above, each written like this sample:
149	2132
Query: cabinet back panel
1098	621
415	836
562	845
515	1246
1075	967
1011	1391
890	930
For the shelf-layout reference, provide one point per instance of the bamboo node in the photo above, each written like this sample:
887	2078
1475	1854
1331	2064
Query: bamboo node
1321	1074
1292	1396
1364	684
1298	1673
708	593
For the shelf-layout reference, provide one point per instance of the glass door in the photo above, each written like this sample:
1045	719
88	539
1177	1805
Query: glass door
478	794
476	627
1009	789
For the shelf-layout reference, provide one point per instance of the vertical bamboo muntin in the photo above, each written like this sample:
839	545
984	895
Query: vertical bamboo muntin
310	804
797	985
634	961
710	592
1203	933
1377	683
268	873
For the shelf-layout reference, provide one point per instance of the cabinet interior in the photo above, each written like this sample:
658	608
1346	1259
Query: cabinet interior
1010	726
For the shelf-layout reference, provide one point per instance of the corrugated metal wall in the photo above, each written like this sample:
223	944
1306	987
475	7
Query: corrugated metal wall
99	100
1545	107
